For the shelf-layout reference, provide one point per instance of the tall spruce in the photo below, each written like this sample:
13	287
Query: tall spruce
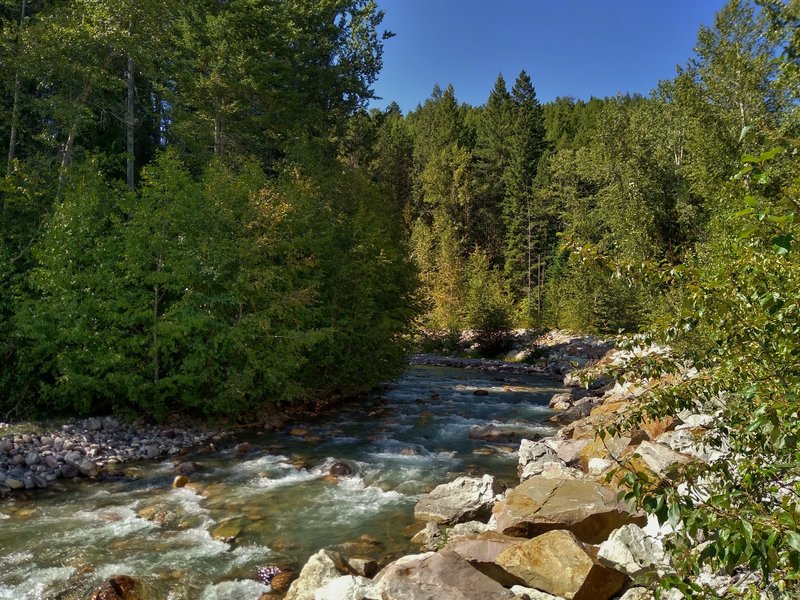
526	147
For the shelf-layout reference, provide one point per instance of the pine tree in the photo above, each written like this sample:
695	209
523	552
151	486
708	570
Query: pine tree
527	145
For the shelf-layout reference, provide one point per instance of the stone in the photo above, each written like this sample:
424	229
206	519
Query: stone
469	529
481	552
365	567
187	468
86	467
606	448
569	451
152	451
587	509
437	576
558	563
119	587
571	415
281	582
533	456
490	433
340	469
564	399
690	442
429	538
14	484
180	481
659	458
638	593
32	458
239	450
465	499
321	568
347	587
631	551
481	392
227	530
525	593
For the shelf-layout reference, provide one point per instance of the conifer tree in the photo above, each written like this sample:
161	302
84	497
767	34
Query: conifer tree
527	145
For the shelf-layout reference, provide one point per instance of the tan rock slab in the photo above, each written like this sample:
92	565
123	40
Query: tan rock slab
586	508
559	564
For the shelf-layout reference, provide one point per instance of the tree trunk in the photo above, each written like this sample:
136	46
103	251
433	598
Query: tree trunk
217	135
66	147
12	138
130	125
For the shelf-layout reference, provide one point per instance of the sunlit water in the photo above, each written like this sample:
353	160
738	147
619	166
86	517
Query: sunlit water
276	505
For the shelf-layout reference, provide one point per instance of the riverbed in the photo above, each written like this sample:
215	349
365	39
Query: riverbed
276	502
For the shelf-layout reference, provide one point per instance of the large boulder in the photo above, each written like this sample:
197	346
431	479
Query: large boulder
347	587
321	568
559	564
437	576
465	499
481	552
631	551
587	509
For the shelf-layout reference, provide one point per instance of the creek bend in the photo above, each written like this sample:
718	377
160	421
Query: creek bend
278	504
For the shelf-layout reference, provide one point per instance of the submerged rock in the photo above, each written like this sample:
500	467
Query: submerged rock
340	469
119	587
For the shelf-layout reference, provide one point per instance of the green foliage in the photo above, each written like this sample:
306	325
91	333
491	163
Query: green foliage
487	308
737	323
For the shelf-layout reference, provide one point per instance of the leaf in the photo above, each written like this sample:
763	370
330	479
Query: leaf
745	130
674	514
783	244
793	539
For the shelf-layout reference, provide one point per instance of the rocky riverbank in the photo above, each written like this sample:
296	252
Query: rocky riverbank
563	533
91	448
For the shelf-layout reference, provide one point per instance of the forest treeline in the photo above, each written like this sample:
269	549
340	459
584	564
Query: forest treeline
179	231
509	206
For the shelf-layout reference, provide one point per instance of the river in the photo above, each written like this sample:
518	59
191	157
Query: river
276	505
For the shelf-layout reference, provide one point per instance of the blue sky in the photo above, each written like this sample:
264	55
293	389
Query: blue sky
578	48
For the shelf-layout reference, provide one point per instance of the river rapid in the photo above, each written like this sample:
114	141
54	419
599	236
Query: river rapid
277	504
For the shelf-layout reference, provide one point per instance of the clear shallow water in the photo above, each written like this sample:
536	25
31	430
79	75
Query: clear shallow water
278	501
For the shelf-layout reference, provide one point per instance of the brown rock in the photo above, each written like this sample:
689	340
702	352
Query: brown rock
570	450
655	427
434	576
559	564
281	582
610	407
609	448
481	552
118	587
180	481
585	508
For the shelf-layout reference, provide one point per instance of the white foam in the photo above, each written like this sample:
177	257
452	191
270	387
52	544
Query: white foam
269	483
234	590
37	585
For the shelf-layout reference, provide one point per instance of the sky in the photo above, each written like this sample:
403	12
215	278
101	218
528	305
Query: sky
578	48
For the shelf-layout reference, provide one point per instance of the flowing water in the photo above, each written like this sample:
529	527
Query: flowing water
277	505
